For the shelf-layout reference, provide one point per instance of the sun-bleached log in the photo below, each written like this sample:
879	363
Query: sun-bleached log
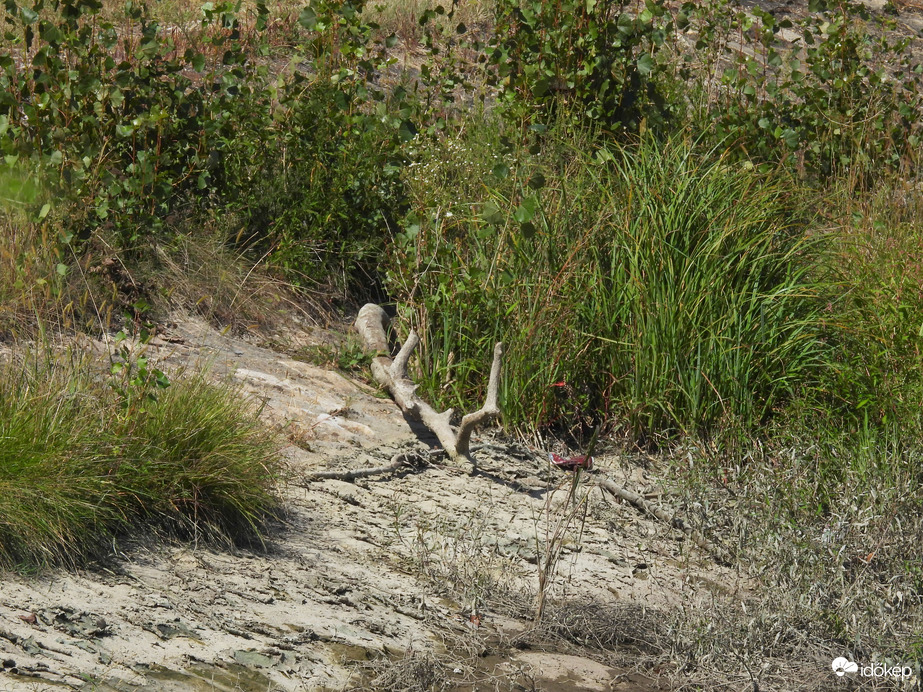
372	324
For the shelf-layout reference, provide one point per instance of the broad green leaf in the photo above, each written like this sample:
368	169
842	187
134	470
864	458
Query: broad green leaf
407	131
308	18
525	211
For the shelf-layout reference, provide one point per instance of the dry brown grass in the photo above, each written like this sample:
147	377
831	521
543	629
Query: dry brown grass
416	671
199	273
840	581
45	288
184	13
34	295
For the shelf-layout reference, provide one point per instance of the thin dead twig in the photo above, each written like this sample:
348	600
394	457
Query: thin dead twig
399	461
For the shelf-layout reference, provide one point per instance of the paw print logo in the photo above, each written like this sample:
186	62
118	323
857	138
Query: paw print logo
841	666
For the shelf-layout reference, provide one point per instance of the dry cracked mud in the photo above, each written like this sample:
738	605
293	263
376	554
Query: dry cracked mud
422	579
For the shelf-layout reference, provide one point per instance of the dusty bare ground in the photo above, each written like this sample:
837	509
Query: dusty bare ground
422	579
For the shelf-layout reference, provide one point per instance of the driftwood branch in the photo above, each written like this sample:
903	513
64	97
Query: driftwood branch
676	522
398	462
392	375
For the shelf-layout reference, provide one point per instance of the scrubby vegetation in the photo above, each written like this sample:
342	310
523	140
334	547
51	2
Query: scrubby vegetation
694	225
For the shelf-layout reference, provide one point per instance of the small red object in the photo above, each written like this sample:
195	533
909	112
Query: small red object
572	464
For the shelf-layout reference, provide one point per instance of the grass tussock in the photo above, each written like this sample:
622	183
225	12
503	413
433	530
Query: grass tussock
877	313
662	284
81	465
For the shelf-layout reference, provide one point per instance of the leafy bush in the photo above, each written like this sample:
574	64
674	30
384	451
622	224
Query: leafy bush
126	138
137	129
838	92
598	54
317	187
662	285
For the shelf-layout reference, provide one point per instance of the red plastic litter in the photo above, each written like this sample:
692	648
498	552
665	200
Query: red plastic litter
572	464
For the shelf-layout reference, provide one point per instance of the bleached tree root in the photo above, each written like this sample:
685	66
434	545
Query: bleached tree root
719	554
372	324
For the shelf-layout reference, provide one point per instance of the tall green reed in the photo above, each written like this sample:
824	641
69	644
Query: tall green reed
662	286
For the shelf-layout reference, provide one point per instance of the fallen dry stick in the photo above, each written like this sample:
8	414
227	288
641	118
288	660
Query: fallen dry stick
398	461
392	375
718	553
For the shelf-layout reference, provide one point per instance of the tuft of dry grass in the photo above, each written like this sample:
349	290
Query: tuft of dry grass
631	627
834	548
199	273
460	559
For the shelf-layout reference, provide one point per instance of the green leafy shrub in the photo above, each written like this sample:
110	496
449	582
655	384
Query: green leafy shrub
314	169
137	130
115	117
837	93
599	54
317	188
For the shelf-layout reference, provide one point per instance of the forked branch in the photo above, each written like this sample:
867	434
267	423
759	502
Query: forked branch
392	375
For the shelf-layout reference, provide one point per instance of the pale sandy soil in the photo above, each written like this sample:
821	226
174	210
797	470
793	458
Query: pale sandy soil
378	583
